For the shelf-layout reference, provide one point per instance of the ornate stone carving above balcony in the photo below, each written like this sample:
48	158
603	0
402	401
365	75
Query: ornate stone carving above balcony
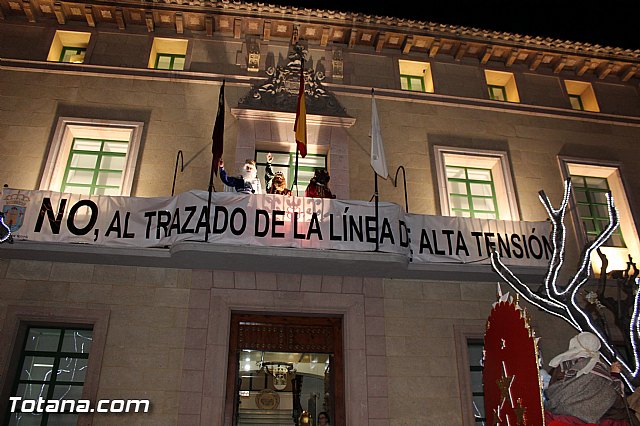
280	91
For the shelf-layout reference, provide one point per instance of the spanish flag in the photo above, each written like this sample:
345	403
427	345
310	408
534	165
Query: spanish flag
300	126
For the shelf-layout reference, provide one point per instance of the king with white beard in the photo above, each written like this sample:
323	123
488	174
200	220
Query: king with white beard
247	182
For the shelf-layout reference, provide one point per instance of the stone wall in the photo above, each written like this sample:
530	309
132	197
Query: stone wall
168	331
145	342
423	320
121	50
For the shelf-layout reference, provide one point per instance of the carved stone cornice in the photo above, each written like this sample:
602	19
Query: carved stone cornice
239	20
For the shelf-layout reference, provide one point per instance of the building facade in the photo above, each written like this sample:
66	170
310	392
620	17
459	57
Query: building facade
98	99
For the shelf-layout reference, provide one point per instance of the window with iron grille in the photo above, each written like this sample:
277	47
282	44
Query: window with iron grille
53	365
475	349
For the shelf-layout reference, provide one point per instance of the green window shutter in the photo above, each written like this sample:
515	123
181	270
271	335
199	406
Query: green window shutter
414	83
497	93
472	192
591	201
71	54
576	102
166	61
95	167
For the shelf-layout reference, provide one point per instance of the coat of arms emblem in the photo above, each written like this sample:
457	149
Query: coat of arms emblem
15	205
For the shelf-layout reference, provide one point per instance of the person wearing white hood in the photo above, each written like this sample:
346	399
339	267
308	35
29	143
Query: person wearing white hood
583	387
247	182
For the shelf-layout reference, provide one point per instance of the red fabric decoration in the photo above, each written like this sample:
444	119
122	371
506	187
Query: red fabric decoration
510	375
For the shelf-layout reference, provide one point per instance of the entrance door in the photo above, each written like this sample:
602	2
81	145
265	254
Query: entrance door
279	366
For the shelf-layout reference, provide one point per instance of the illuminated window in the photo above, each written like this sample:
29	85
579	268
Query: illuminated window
497	93
415	76
591	181
168	54
475	184
471	192
92	157
95	167
166	61
285	162
53	366
576	102
413	83
502	86
69	46
73	54
590	195
581	96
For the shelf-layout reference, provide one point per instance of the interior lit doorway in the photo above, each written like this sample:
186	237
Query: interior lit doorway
284	370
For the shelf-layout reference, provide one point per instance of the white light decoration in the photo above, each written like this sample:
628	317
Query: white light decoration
5	232
561	301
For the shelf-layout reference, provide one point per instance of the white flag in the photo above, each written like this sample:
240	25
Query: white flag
378	160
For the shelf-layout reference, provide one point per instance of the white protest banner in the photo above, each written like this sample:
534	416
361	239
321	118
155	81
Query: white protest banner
270	221
448	239
260	220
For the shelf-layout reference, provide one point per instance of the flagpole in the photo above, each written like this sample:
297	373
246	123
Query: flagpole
295	178
376	198
375	192
206	232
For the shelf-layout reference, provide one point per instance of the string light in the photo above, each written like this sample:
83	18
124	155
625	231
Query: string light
614	222
8	236
568	310
634	330
557	258
528	295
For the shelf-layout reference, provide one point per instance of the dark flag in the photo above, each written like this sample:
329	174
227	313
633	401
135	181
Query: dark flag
218	132
216	148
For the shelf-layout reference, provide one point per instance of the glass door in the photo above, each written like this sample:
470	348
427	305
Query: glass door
284	370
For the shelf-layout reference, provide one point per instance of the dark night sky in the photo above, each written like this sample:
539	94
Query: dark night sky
608	23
